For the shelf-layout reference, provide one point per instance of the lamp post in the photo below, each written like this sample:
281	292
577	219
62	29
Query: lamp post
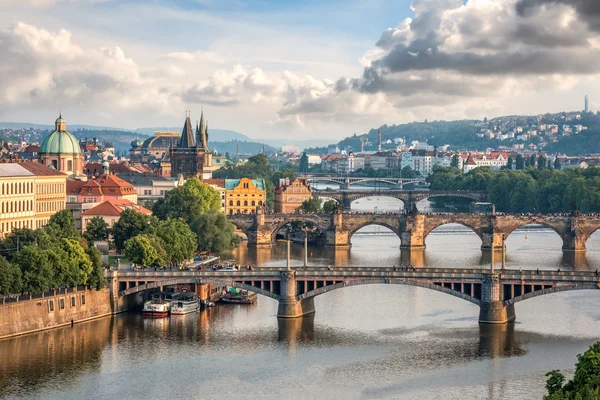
305	247
503	252
289	262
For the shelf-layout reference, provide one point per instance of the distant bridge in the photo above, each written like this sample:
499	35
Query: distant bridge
345	182
495	292
408	197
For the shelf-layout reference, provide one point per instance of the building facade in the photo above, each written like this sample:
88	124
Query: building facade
219	186
61	151
192	157
243	196
30	193
289	196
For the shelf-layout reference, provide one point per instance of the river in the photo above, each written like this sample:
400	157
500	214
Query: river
364	342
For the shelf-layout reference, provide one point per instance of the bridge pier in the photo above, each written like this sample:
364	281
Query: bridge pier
289	306
491	309
412	231
491	241
260	238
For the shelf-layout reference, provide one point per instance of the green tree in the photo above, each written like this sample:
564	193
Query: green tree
408	172
179	240
188	201
96	278
520	162
10	277
556	163
131	223
312	205
532	161
96	229
303	164
454	162
38	272
541	162
585	383
62	225
549	164
79	260
146	250
509	163
214	232
330	206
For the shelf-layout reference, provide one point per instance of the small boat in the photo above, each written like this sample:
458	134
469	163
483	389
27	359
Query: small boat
156	307
185	303
236	296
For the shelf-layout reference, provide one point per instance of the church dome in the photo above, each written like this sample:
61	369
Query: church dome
136	143
60	141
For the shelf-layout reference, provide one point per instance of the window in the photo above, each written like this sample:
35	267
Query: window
61	303
73	301
83	299
245	203
253	203
51	305
230	204
238	203
69	165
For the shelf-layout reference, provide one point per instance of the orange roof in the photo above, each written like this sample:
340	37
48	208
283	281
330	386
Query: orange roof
110	185
39	169
216	182
115	208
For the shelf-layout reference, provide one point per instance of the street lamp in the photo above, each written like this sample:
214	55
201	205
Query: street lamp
289	261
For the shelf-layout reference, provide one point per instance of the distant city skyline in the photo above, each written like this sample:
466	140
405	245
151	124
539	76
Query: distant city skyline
301	70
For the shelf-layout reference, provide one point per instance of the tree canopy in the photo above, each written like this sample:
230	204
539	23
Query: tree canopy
96	229
188	201
131	223
585	383
214	232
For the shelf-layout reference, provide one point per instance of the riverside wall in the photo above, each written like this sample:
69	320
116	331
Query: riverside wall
57	309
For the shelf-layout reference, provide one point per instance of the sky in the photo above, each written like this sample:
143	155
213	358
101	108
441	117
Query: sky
310	69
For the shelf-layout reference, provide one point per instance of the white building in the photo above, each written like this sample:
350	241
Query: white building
290	148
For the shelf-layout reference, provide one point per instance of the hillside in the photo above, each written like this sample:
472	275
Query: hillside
587	142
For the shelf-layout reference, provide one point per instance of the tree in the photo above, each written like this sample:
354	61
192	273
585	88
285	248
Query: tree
131	223
408	172
330	206
454	162
79	261
532	161
214	232
96	229
541	162
585	383
549	164
520	163
62	225
509	163
188	201
96	278
10	277
227	155
179	240
312	205
38	272
303	164
556	163
145	250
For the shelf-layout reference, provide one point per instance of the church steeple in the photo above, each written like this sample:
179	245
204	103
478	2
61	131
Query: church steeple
187	135
202	135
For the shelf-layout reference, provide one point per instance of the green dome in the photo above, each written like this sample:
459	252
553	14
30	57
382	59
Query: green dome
60	142
59	119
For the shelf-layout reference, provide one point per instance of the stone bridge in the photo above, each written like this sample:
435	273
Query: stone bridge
345	182
412	228
494	292
408	197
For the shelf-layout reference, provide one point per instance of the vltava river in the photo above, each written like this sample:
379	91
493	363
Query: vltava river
364	342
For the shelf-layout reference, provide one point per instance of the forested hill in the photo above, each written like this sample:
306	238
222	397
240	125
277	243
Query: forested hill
587	142
459	134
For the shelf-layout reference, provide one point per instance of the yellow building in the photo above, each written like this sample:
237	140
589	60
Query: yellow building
30	193
289	196
243	196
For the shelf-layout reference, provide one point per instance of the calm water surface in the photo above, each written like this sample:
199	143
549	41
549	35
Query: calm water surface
364	342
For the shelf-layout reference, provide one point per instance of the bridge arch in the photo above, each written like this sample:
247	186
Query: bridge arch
385	281
559	230
555	289
432	227
392	228
313	219
179	281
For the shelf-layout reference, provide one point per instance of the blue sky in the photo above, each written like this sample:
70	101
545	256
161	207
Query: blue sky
310	69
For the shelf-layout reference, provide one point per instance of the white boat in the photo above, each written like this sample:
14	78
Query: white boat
157	307
185	303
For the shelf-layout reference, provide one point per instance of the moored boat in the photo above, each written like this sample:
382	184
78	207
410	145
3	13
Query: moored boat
185	303
156	307
236	296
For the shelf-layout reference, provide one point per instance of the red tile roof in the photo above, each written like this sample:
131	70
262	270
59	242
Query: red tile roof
114	208
39	169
